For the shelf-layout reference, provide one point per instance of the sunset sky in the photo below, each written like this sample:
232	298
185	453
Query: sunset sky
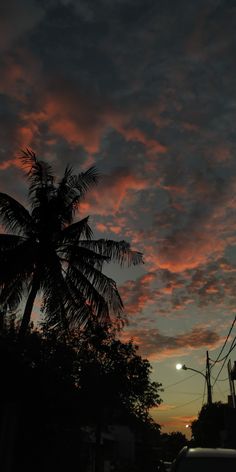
145	91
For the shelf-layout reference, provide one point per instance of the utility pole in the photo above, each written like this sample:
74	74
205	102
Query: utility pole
208	380
232	376
207	376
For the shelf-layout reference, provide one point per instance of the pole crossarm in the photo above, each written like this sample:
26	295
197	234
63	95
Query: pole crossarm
184	367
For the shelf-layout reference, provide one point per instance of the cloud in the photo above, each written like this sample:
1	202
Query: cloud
183	251
106	84
156	345
138	294
17	19
173	423
117	189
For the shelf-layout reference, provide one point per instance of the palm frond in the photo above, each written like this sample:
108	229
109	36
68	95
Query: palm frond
62	303
11	293
97	288
97	300
116	251
74	253
14	216
54	290
38	172
28	158
65	196
84	181
79	310
80	184
76	231
72	188
40	176
8	241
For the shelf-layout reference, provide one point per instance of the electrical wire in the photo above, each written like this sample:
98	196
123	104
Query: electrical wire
177	392
220	380
227	337
179	381
220	371
185	404
232	346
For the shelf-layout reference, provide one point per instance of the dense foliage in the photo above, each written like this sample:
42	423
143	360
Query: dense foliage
107	375
55	388
215	426
171	444
112	374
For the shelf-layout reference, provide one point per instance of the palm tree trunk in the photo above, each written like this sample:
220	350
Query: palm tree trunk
29	307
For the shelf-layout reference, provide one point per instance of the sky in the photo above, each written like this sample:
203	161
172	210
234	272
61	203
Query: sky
145	91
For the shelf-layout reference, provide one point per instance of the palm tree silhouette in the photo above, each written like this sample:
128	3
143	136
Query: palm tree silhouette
48	252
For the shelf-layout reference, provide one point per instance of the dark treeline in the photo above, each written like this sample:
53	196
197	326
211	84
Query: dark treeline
60	397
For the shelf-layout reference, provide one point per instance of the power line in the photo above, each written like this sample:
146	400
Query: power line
177	392
220	371
233	344
179	381
226	340
185	404
220	380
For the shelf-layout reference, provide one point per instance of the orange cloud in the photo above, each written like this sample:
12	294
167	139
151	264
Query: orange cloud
101	227
182	251
113	192
135	134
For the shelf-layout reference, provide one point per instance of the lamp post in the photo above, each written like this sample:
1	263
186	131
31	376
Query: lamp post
206	377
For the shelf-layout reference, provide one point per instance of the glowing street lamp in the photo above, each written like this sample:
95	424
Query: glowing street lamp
206	377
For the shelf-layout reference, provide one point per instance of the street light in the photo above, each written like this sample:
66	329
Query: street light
206	377
184	367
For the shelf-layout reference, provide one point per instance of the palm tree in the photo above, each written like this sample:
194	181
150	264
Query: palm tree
48	252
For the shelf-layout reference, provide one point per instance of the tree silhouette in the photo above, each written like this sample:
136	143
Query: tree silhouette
171	444
65	389
47	251
114	377
215	426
